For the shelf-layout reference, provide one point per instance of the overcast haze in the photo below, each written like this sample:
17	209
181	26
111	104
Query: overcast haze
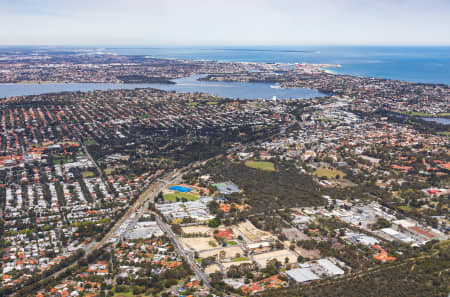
231	22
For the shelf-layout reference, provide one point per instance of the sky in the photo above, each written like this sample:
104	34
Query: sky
224	22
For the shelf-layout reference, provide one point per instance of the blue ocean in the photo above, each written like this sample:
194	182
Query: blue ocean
413	64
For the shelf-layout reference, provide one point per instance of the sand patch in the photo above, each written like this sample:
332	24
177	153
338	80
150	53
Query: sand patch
197	229
253	234
280	255
310	254
227	265
198	243
230	252
212	268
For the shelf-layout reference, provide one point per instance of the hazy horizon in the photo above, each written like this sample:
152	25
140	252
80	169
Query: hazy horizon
298	47
234	23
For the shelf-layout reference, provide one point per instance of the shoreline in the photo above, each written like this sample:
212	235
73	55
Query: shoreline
36	89
57	83
329	71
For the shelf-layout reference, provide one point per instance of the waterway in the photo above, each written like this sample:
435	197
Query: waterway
409	63
238	90
235	90
443	121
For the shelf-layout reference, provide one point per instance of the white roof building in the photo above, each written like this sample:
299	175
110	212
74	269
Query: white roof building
257	245
330	268
301	275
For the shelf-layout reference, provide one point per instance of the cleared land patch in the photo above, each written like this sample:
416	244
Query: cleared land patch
310	254
90	142
198	243
280	255
328	172
197	229
229	264
252	233
212	268
261	165
57	160
230	252
239	259
109	171
87	174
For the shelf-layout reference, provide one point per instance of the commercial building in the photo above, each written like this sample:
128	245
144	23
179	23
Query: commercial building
301	275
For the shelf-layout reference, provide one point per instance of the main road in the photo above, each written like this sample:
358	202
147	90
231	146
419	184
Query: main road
139	208
181	252
135	212
150	192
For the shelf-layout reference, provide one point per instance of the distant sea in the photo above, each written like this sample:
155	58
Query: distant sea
414	64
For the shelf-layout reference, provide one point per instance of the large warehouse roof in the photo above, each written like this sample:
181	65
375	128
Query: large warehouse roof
301	275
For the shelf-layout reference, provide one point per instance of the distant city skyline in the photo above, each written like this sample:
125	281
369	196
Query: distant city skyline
213	23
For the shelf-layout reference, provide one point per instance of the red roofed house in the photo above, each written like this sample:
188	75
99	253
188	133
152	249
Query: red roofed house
228	234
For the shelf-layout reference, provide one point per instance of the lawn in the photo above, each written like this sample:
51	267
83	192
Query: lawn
192	104
90	142
328	120
413	113
173	197
129	294
232	242
422	114
239	259
177	221
69	143
124	294
262	165
211	102
61	160
328	172
87	174
108	171
405	208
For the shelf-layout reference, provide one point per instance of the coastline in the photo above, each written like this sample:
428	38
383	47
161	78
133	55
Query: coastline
233	90
57	83
326	70
443	115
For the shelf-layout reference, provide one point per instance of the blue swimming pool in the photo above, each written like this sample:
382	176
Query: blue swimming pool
180	189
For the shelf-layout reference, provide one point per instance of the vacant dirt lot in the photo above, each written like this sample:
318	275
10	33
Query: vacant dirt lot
280	255
330	173
198	243
197	229
229	264
294	233
212	268
230	252
311	254
250	232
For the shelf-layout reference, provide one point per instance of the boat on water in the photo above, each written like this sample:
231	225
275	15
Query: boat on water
276	86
